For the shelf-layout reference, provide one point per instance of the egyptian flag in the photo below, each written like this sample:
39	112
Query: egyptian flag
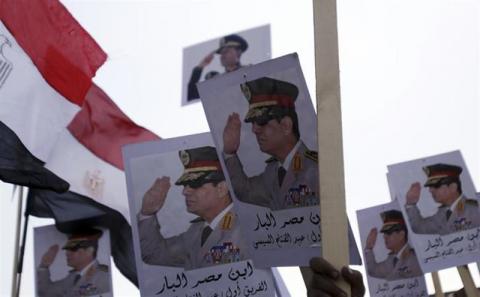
18	166
88	154
47	61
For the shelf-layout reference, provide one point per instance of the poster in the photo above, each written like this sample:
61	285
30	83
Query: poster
186	230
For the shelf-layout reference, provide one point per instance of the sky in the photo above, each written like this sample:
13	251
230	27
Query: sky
409	75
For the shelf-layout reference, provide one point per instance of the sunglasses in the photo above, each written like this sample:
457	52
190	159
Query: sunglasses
439	184
73	249
391	231
263	120
195	184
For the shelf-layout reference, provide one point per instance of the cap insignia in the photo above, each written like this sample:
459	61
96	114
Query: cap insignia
184	157
246	91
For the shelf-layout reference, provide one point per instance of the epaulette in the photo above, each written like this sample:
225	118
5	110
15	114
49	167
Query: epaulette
471	202
227	221
406	253
312	155
270	160
103	268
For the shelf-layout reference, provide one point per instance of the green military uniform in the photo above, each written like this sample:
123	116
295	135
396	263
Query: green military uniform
464	216
223	245
269	99
185	250
299	187
406	266
95	281
394	267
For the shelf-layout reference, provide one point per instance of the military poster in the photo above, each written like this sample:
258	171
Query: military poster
185	226
437	198
264	126
391	262
76	264
221	55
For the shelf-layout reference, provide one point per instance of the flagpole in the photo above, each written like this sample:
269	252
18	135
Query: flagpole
22	252
17	239
437	284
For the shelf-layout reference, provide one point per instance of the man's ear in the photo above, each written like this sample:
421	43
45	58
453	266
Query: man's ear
90	250
287	125
453	187
222	189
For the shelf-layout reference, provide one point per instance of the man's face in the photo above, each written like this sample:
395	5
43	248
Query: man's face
394	240
443	194
78	258
270	136
201	200
229	56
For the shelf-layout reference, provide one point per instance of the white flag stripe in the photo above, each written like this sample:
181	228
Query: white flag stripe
28	104
87	174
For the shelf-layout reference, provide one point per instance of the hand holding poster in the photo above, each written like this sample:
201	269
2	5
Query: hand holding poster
186	229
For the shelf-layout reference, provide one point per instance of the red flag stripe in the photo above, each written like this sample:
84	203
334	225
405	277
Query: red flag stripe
103	128
65	54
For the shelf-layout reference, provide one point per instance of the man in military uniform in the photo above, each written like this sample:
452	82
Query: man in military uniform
455	213
402	261
230	50
87	277
213	237
290	178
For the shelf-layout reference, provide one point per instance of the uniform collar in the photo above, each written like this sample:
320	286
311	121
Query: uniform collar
455	203
217	219
288	159
400	252
86	268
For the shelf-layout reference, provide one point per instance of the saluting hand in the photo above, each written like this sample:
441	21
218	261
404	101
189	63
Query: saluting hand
371	239
155	197
231	134
49	256
413	194
325	276
207	60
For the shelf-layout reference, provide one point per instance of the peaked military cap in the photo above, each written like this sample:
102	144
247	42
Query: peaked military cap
201	166
83	239
438	174
392	221
233	40
268	98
